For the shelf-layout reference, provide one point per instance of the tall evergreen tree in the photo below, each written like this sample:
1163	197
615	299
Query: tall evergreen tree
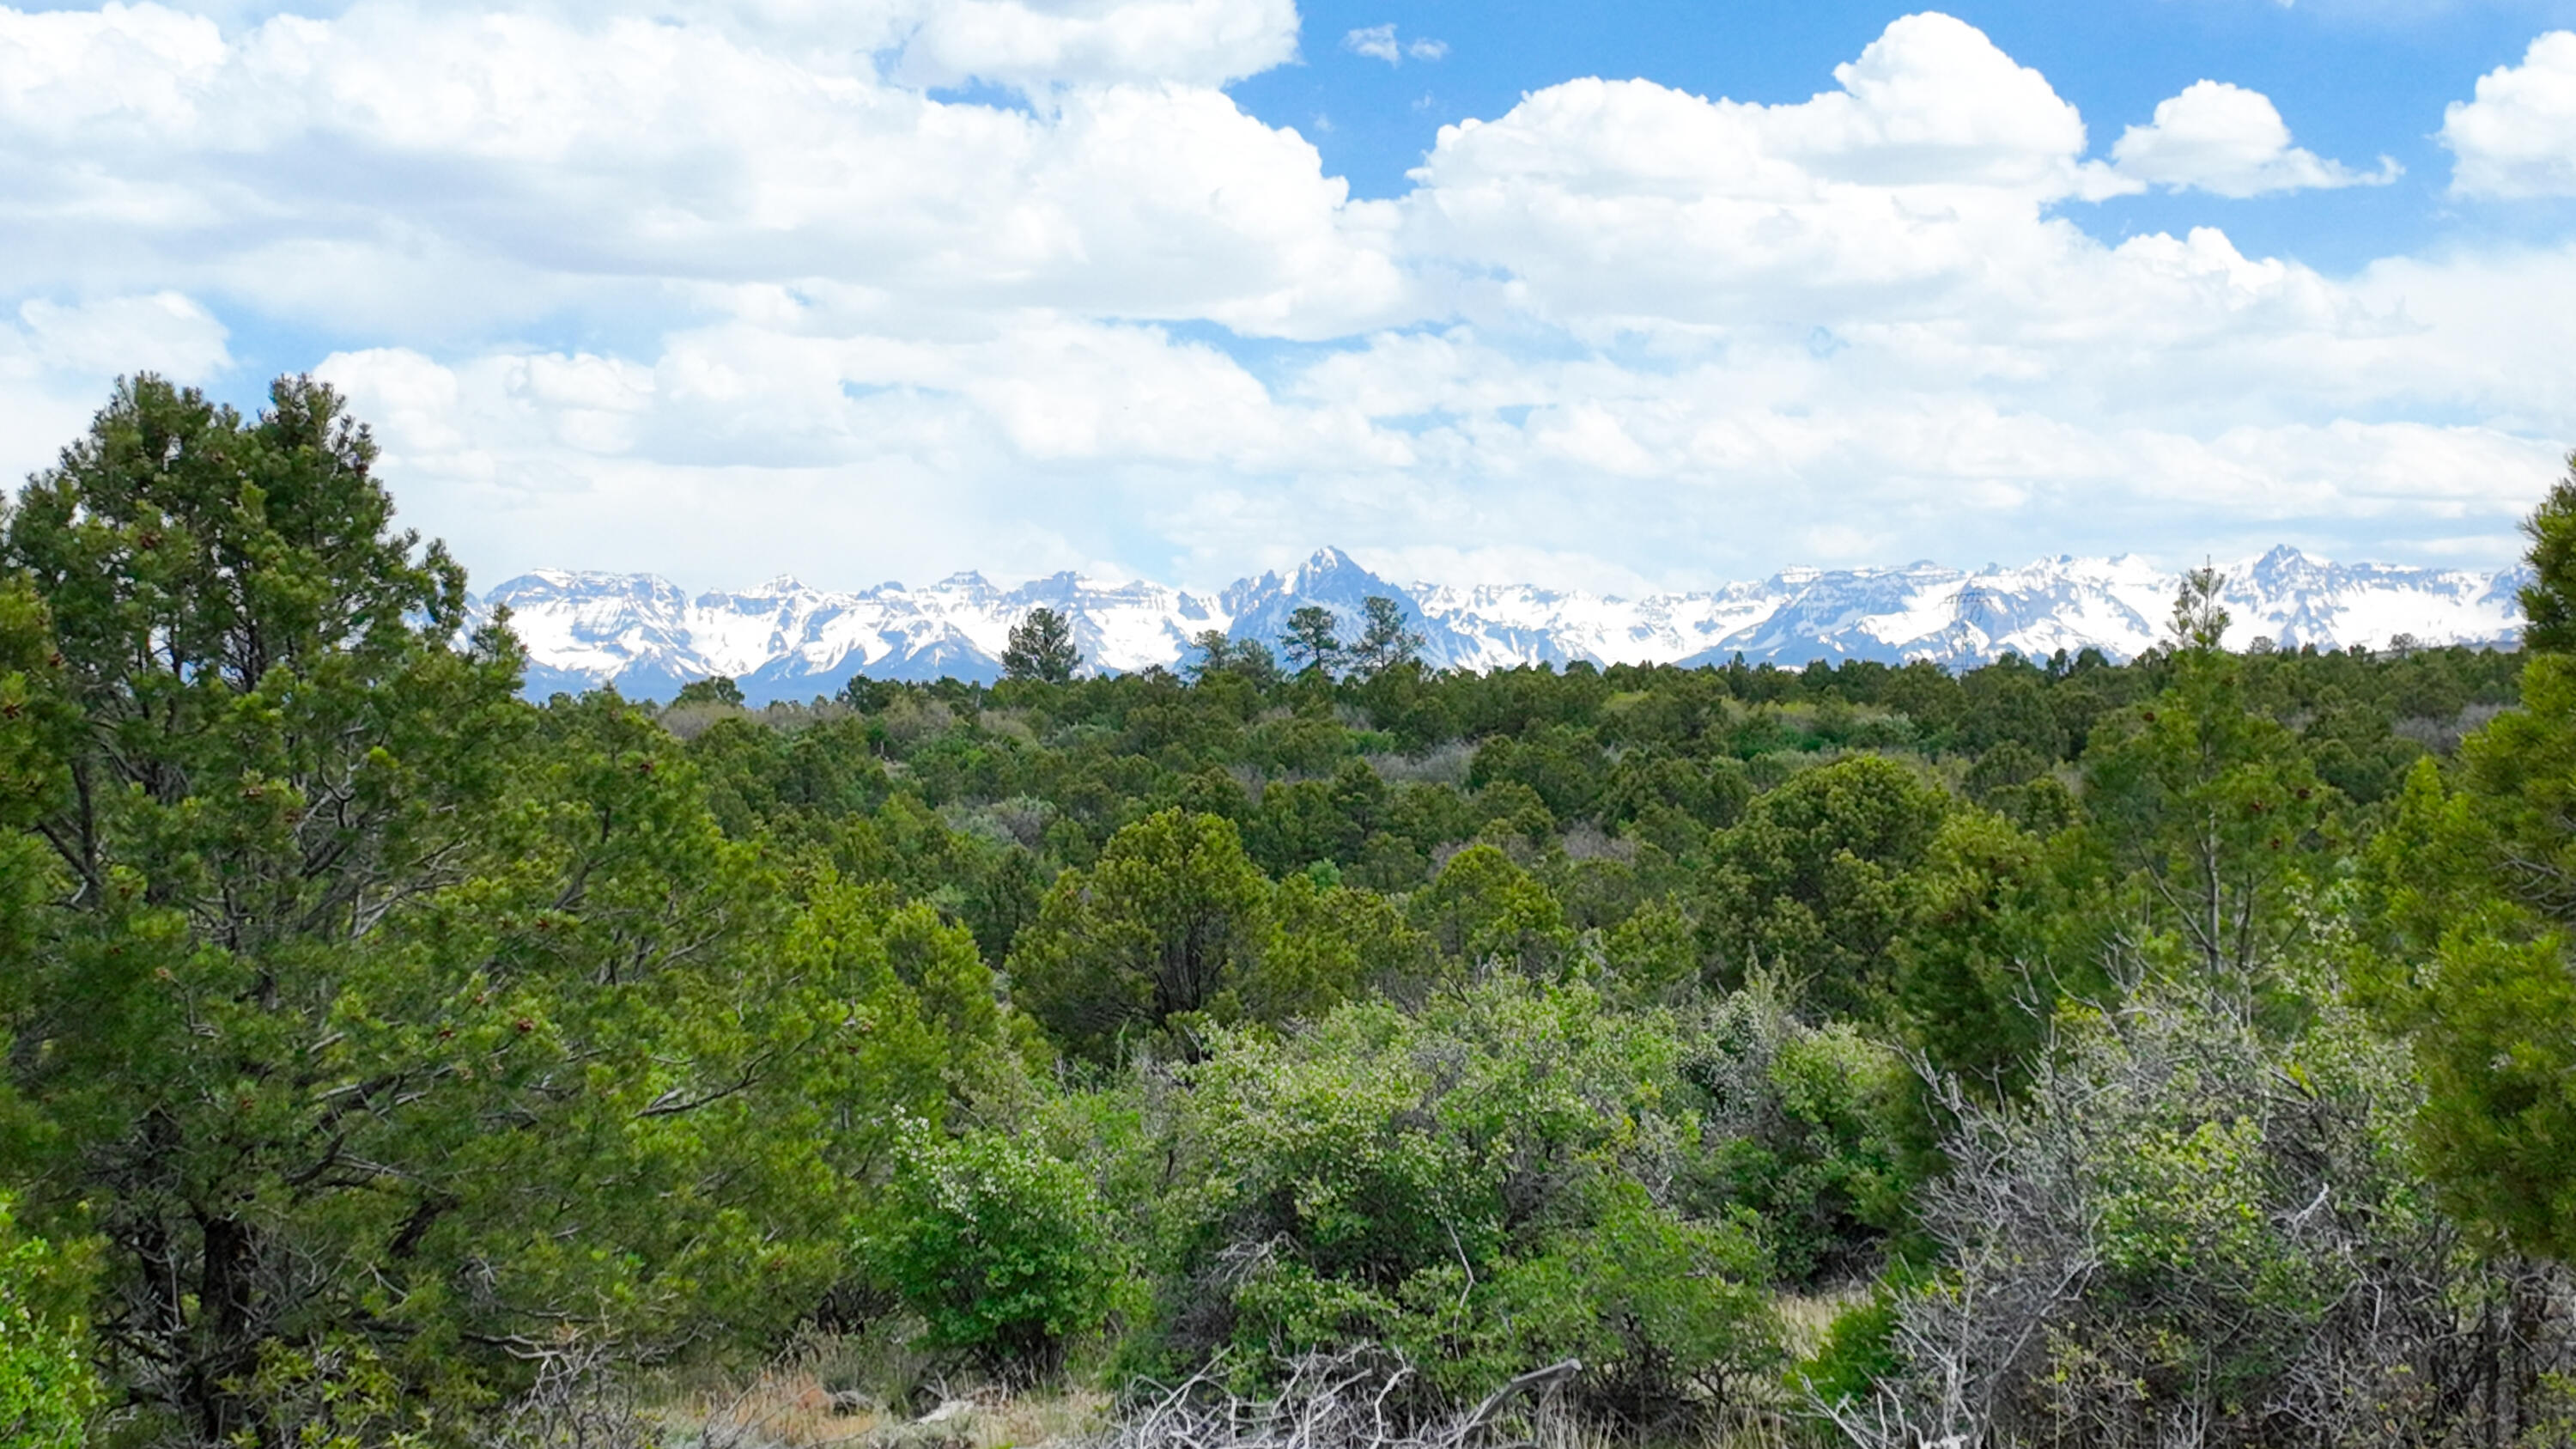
2549	600
357	1008
1216	652
1310	641
1041	648
1386	640
2199	620
2475	899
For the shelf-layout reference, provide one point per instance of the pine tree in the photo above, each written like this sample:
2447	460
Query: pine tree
1385	641
1216	653
2549	600
2199	621
1041	648
1310	642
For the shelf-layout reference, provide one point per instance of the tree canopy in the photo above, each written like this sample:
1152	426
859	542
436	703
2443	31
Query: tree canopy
1041	648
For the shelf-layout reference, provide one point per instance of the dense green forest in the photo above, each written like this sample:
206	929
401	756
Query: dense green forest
2066	1052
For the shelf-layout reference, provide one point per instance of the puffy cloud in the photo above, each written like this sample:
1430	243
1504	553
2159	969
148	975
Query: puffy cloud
57	356
1036	45
1926	179
1932	101
2518	137
2224	139
495	167
832	323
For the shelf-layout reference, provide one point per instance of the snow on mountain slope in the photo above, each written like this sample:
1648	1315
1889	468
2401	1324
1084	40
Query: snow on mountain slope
783	640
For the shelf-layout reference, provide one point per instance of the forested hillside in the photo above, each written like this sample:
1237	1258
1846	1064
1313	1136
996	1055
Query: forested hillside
2056	1053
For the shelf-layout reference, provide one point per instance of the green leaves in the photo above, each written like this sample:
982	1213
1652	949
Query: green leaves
1041	648
2549	600
1807	886
2469	900
1480	1185
46	1390
1003	1250
366	1008
1483	912
1162	928
2215	812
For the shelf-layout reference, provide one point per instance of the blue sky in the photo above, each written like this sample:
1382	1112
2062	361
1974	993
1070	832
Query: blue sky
2356	78
1620	295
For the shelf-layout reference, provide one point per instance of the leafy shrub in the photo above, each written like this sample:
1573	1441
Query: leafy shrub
1002	1250
1163	927
1665	1312
1808	886
1803	1124
45	1386
1480	1187
2190	1230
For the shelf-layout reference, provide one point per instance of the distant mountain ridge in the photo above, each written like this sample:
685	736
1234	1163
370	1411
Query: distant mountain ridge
783	640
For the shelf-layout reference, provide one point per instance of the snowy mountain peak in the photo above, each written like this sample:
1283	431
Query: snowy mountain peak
787	640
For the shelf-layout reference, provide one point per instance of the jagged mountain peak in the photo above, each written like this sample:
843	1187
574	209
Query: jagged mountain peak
786	639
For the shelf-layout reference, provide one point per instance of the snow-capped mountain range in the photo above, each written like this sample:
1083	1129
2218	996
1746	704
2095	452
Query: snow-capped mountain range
783	640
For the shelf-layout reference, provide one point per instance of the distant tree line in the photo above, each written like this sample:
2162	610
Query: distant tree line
1041	648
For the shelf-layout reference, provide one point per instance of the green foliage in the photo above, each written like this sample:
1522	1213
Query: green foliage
2190	1227
1310	642
2470	894
2549	600
1802	1134
1807	888
1003	1251
1976	977
388	1035
1157	935
1331	943
718	690
1857	1351
1473	1185
366	1004
46	1389
1483	910
1386	640
1041	648
2215	813
1667	1314
2199	622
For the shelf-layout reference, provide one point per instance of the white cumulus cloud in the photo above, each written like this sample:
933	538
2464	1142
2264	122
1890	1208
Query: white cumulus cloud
2231	141
2518	137
491	167
742	287
1922	184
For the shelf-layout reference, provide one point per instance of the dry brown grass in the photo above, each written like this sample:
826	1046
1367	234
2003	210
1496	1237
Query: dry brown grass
1805	1317
836	1391
859	1391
